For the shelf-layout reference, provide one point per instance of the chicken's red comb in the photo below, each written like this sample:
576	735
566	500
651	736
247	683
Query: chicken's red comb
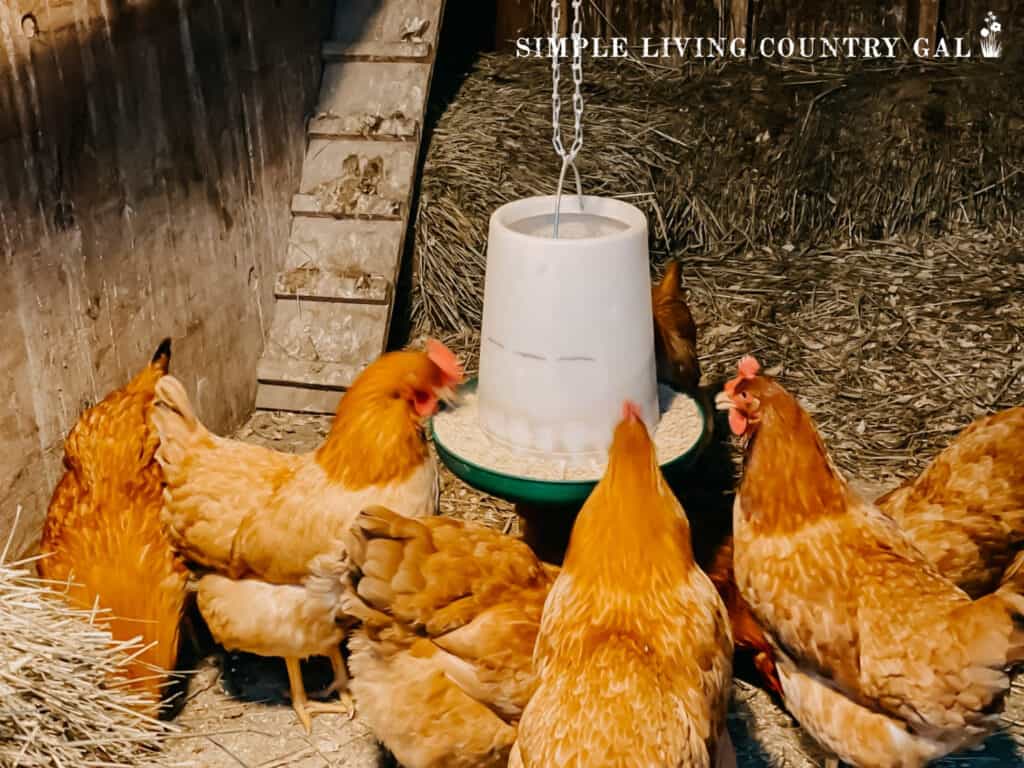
748	368
444	359
631	411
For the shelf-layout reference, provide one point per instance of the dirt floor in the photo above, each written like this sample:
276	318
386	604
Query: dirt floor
222	732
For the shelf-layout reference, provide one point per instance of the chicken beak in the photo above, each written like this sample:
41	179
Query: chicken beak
449	395
723	402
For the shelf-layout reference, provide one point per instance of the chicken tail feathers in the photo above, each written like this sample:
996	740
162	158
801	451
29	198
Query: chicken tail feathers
175	421
162	356
385	553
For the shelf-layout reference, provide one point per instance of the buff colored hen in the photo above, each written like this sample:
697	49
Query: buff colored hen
103	535
882	659
441	666
634	654
267	525
965	512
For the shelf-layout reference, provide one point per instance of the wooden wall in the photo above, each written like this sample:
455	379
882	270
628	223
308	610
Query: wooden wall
148	153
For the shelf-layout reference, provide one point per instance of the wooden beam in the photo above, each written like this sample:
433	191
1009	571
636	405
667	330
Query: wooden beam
513	19
739	15
928	21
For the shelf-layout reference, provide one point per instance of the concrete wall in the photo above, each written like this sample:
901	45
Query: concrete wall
148	154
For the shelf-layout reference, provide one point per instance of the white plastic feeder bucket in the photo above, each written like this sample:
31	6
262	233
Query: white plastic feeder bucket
567	330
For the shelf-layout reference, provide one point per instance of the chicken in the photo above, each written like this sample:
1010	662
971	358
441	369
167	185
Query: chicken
746	632
441	666
675	334
634	654
882	659
258	520
675	341
295	621
103	536
965	512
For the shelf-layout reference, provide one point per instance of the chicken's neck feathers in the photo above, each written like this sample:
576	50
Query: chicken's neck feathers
373	441
789	479
632	518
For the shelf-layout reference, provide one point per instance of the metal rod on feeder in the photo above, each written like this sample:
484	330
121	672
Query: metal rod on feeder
568	157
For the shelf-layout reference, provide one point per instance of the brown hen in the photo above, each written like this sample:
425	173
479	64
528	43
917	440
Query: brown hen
965	512
675	333
103	535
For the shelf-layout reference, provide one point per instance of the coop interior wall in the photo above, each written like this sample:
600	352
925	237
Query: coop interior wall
148	154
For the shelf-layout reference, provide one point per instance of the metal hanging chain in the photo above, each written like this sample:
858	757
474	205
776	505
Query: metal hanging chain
568	158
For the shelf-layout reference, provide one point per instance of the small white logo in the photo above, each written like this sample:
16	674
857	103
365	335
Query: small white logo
991	48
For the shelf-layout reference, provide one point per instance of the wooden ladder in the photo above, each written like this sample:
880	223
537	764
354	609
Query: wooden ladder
335	298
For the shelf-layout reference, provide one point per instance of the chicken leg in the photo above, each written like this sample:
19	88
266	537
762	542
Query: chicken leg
304	709
340	682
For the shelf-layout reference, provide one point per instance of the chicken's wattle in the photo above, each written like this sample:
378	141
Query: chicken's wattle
737	422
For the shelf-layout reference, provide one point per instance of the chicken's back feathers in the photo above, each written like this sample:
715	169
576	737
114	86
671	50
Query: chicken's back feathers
474	592
412	705
965	512
103	535
213	483
634	661
450	614
116	427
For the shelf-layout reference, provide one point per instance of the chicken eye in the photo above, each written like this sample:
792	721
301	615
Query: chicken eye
744	396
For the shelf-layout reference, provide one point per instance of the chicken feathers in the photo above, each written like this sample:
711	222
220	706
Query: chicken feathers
634	654
441	666
965	512
866	630
263	522
103	535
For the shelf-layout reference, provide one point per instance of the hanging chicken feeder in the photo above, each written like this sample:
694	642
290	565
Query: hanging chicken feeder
567	336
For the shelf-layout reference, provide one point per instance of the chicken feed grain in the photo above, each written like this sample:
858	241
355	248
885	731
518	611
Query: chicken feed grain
458	429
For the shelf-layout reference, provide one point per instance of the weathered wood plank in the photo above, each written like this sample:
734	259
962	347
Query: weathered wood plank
374	89
289	397
376	51
308	205
308	374
345	245
321	343
311	283
386	169
373	20
513	19
363	127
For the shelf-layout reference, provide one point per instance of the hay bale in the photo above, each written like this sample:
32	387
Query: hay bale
58	704
723	157
853	226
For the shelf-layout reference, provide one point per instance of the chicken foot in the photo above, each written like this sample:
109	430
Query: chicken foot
340	683
305	709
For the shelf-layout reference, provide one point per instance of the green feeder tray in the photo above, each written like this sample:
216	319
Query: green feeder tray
549	492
